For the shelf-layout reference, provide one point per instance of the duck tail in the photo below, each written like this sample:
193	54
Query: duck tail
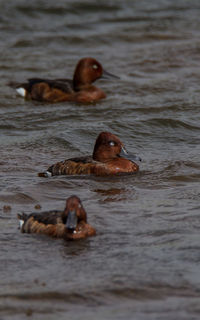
45	174
22	218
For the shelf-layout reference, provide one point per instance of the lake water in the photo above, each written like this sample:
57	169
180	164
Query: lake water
144	261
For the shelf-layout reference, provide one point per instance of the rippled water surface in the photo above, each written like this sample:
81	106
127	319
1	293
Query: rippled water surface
144	261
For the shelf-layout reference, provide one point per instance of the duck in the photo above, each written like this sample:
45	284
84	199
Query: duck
109	158
69	224
80	89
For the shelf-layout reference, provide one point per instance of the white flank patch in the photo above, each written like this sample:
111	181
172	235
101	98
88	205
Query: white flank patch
48	174
21	222
21	91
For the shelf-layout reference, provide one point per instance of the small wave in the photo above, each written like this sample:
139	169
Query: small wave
154	291
18	197
168	122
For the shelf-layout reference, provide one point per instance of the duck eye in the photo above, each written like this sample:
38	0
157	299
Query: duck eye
112	143
95	66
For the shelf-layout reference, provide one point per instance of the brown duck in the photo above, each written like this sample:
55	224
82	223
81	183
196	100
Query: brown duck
109	158
69	224
79	89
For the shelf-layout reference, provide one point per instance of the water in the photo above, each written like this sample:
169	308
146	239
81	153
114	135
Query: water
144	261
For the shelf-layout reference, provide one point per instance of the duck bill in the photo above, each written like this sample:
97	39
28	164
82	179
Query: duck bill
71	220
108	75
129	156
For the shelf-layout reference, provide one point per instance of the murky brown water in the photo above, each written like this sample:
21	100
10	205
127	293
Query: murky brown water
144	261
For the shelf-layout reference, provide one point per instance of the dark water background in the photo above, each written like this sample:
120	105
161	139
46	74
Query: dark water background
144	262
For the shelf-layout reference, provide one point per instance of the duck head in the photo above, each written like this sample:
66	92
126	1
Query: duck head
74	213
109	147
87	71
